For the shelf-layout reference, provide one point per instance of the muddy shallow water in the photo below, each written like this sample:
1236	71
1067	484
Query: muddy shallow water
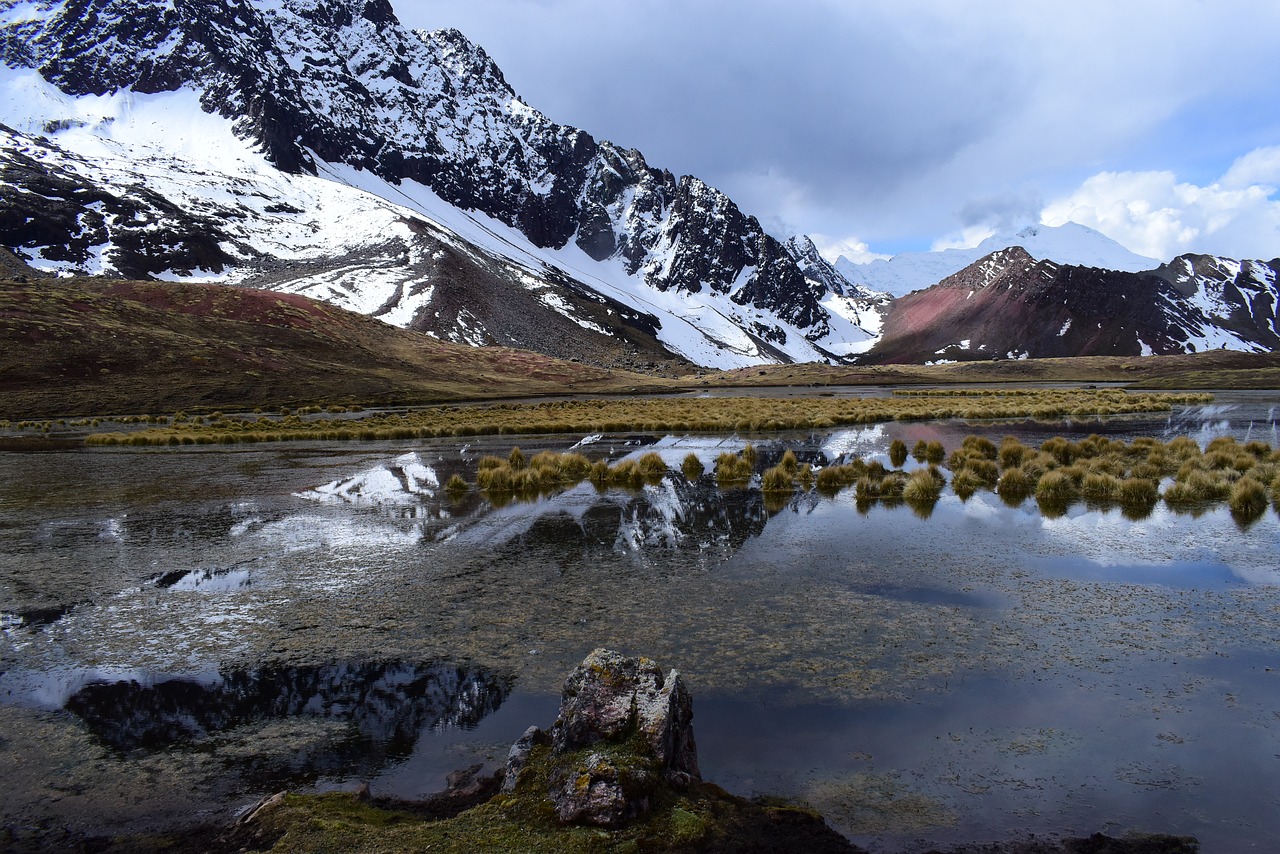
184	630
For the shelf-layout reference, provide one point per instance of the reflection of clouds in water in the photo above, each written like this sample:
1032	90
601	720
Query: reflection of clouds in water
673	449
859	442
1107	538
984	508
303	532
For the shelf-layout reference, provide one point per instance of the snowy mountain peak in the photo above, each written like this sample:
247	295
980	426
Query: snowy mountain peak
339	90
1069	243
319	147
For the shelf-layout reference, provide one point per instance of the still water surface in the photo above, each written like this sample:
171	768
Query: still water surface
184	630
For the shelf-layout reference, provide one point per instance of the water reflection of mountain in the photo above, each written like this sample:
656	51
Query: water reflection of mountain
676	513
386	705
403	488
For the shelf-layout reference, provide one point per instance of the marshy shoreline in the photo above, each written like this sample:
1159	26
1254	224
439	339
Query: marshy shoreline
211	562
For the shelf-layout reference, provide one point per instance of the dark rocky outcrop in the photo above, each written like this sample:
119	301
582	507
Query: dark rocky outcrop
624	731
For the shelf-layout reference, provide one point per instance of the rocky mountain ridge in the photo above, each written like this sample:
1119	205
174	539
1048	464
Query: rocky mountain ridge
319	147
1069	243
320	86
1009	305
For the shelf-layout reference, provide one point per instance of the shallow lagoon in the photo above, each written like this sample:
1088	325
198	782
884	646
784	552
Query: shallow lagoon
187	629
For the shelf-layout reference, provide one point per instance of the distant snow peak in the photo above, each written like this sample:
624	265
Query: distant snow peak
1070	243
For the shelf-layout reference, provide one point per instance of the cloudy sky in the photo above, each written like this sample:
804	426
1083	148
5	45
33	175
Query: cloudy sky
892	125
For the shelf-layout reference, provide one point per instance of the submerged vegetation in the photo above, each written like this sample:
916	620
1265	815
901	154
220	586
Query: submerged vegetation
681	414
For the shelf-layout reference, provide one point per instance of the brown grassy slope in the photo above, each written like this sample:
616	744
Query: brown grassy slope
1215	369
102	346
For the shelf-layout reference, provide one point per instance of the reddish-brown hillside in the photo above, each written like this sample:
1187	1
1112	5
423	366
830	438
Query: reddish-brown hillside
1009	306
72	346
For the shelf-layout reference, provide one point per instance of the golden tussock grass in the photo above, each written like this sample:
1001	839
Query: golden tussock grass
690	415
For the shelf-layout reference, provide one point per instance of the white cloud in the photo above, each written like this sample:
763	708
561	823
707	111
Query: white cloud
1261	166
965	238
1155	214
855	250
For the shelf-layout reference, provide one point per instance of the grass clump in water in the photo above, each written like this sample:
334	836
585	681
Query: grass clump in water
545	473
922	486
934	453
692	467
965	483
790	463
734	469
652	467
1057	486
898	453
1248	500
1012	453
1015	485
777	480
1100	486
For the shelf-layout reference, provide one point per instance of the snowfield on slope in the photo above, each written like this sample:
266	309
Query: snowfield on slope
192	158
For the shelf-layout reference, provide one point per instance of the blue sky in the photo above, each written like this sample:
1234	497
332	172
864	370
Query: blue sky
880	126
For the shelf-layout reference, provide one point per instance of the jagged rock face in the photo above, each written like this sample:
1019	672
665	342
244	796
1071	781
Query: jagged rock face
625	731
55	203
341	81
610	696
820	272
1008	305
1239	297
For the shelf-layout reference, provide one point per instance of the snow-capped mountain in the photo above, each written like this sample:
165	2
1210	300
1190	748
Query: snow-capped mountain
1070	244
319	147
1010	305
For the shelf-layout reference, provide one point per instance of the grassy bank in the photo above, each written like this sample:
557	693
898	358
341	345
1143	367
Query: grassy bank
689	415
87	347
1208	370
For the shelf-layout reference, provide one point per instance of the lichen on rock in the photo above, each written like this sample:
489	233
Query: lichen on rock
625	729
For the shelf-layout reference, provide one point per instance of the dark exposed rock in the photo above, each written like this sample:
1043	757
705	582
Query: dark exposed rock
1245	293
624	732
610	696
518	756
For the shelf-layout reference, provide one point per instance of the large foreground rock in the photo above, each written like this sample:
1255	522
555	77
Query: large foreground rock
625	730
